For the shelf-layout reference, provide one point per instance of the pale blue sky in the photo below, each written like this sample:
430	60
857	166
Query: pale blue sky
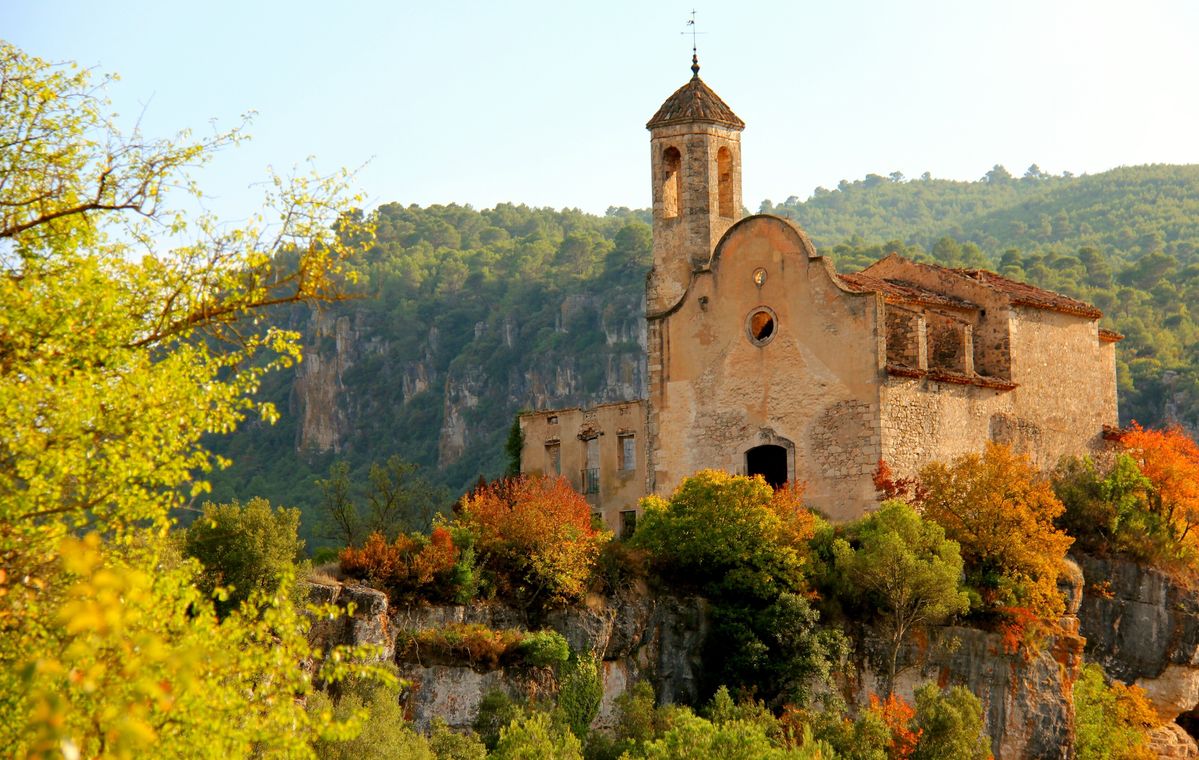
545	102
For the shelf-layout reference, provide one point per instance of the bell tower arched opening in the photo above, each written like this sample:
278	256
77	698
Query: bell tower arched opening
672	180
769	461
724	181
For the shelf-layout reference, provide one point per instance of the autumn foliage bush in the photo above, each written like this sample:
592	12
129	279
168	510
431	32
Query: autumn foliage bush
1001	511
533	538
412	565
483	647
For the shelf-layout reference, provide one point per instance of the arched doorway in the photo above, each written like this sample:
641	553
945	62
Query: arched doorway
770	462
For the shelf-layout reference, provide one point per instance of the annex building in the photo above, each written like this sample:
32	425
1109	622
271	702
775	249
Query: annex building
762	359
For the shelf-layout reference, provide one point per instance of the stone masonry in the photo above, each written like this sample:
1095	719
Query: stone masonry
761	359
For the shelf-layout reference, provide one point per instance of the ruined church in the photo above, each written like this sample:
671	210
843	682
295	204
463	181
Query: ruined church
762	359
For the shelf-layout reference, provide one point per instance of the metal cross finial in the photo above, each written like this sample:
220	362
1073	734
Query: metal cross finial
694	52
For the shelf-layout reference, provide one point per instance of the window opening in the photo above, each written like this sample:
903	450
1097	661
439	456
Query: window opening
672	181
724	181
553	453
761	326
628	523
628	452
591	472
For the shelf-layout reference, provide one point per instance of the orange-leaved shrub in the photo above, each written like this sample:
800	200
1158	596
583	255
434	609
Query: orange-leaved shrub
1001	511
412	565
533	538
1170	459
899	716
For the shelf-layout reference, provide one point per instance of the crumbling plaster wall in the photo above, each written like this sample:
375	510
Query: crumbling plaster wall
815	382
619	488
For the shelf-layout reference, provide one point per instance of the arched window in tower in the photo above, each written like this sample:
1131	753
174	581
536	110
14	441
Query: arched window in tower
724	180
672	181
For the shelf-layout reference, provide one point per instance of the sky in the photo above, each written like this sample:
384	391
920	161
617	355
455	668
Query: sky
545	103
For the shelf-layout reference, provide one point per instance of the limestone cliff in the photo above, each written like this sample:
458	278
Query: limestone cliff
446	401
1142	626
1026	698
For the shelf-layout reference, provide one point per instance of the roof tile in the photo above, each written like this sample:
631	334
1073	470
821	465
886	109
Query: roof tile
695	101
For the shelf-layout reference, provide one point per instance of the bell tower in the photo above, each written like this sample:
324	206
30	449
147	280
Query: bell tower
695	158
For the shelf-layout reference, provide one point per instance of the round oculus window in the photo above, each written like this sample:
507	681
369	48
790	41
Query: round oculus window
761	325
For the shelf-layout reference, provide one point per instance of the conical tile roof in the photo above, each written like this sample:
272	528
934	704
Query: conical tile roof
695	101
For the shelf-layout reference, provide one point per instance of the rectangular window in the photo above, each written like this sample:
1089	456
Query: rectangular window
553	455
628	452
628	523
591	472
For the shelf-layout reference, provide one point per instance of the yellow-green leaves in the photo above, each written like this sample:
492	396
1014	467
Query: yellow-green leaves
113	367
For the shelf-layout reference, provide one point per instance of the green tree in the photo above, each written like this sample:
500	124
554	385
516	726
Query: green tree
906	570
117	355
535	737
1111	722
950	724
244	548
513	447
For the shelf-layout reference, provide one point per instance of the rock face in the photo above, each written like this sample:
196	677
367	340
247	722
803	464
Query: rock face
351	369
660	639
1026	698
1143	628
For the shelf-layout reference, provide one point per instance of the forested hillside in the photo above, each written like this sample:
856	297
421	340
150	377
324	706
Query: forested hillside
463	317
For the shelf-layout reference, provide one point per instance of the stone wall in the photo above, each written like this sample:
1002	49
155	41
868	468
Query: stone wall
715	392
556	442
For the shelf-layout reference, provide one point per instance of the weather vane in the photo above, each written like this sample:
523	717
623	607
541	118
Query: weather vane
694	51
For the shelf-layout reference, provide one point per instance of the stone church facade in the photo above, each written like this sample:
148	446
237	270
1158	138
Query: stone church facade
762	359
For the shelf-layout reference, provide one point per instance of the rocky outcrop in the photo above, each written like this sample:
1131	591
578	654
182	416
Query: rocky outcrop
1026	695
655	638
317	395
1142	626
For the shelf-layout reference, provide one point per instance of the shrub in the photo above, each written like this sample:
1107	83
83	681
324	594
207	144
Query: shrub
1110	722
245	548
543	649
1000	511
580	689
483	647
534	536
447	744
1108	512
535	737
412	565
950	723
692	737
383	733
725	535
496	711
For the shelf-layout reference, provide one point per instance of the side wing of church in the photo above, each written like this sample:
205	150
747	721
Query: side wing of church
763	360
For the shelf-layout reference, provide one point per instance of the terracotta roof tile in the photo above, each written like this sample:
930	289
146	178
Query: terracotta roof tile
902	291
695	101
1023	294
1109	336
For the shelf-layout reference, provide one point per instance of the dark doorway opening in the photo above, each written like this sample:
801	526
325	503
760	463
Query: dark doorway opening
768	461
